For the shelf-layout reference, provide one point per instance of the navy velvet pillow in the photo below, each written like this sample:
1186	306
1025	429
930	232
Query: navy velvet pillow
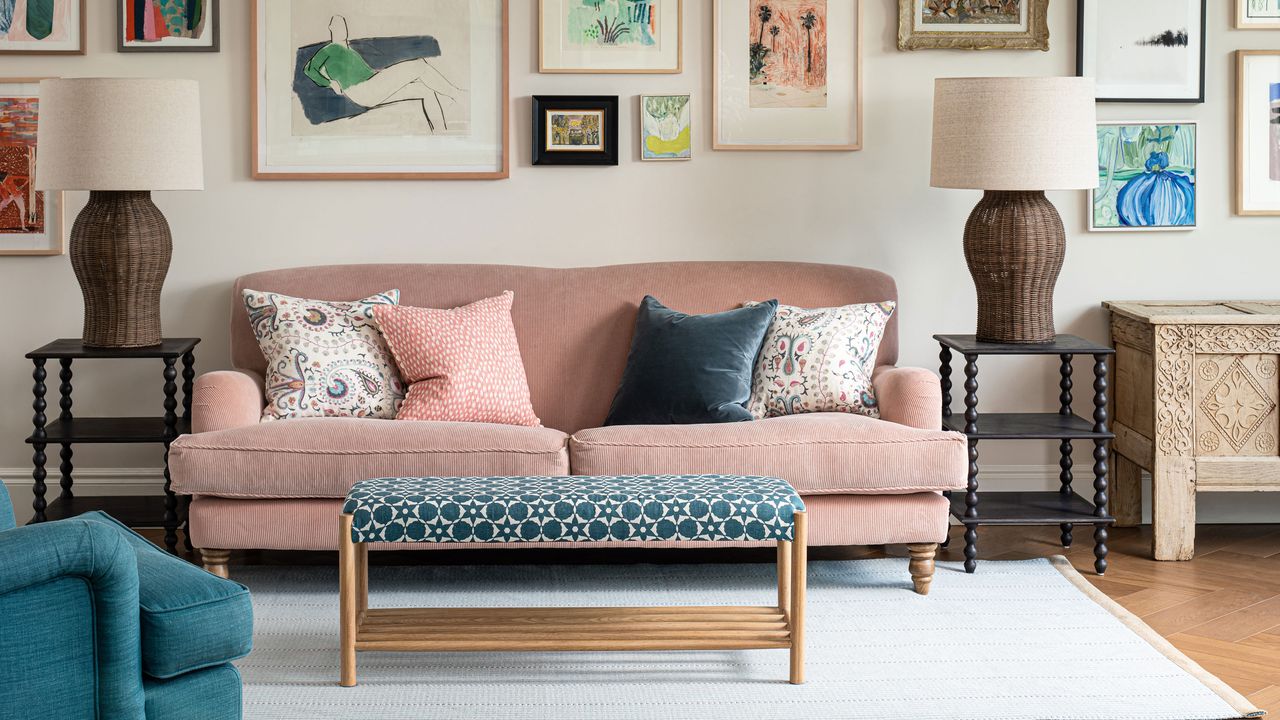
686	369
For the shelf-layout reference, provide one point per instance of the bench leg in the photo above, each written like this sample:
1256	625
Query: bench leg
362	580
784	576
347	600
799	579
215	561
922	565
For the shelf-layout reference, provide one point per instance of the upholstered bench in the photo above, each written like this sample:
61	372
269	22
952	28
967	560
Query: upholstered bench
695	508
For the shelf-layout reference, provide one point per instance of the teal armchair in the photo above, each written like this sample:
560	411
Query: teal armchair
98	623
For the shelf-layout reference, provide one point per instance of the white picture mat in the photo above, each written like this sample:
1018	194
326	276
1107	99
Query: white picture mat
556	56
737	123
1257	14
1258	192
1089	194
68	11
49	241
204	40
280	152
1021	26
1125	73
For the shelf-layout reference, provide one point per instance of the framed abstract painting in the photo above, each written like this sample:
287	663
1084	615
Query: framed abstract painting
1143	51
788	75
575	130
168	25
666	127
394	89
30	220
1258	132
611	36
973	25
42	27
1147	177
1258	14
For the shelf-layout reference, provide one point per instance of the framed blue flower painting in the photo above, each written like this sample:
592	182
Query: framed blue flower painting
1146	177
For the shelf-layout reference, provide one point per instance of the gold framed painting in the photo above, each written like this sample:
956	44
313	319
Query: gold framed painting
392	90
788	75
611	36
30	219
1258	132
973	25
1258	14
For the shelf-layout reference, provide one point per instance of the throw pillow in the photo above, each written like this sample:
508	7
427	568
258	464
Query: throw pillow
820	361
324	359
462	365
686	369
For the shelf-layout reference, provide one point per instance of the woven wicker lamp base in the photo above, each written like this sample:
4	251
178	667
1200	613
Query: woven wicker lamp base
1014	243
120	249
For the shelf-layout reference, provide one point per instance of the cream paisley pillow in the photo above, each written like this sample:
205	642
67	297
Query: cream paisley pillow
819	361
324	359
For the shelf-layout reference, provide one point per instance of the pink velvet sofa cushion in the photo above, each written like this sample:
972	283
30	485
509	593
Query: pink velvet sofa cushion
324	457
819	453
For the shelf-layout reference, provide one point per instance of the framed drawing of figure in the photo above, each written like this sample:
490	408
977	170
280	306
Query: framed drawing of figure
397	89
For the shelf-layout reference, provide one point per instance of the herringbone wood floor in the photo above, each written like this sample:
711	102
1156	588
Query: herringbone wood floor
1222	609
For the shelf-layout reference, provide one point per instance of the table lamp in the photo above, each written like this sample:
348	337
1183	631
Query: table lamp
1014	138
120	139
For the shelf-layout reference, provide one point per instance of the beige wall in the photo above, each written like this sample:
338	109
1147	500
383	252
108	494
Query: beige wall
870	208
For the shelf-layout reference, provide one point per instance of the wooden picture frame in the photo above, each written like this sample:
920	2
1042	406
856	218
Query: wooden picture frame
554	62
32	47
1270	22
1193	94
172	44
497	163
848	138
602	110
1171	184
1035	36
18	195
1248	138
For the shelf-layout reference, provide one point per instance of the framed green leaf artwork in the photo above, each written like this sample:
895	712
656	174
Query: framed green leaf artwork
1146	177
666	127
42	27
610	36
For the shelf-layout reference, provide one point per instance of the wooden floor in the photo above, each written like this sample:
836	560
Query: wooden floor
1222	609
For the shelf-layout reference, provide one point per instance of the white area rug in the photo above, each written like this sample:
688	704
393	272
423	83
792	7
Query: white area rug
1019	640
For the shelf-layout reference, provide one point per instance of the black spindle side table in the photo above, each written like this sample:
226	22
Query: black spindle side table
67	430
1062	507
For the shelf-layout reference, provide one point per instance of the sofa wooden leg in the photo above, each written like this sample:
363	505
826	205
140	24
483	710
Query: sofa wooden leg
215	561
922	565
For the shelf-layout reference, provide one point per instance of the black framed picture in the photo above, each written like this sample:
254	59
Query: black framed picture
575	130
1143	51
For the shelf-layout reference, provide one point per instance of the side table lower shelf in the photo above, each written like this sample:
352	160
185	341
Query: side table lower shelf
1030	508
136	511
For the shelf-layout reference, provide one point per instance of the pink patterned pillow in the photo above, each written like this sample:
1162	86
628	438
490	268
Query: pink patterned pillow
462	365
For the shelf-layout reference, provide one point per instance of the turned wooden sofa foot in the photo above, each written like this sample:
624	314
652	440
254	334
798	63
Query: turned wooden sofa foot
922	565
215	561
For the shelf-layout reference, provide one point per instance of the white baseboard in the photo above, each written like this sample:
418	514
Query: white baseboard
1225	508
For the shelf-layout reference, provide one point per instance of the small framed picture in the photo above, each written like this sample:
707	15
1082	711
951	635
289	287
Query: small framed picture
611	36
1258	132
1146	177
575	130
30	219
666	127
1142	51
167	25
1258	14
962	25
42	27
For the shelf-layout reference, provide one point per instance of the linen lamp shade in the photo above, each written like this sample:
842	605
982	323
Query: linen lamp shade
119	134
1014	138
120	139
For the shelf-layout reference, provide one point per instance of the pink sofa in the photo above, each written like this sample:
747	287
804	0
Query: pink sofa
279	485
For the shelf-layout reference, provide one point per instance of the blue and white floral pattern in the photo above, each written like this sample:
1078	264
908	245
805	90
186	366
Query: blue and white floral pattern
707	508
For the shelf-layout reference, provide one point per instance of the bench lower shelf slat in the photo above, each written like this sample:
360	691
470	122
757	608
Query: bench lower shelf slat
499	644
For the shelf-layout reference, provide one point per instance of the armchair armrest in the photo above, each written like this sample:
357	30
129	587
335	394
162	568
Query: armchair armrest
909	396
38	555
226	399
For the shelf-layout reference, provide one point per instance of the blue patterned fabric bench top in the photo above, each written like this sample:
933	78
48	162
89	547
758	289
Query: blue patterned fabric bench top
706	508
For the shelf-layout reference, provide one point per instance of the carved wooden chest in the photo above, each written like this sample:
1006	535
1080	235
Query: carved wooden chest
1195	404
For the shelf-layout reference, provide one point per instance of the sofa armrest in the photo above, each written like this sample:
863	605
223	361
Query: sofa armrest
909	396
38	556
226	399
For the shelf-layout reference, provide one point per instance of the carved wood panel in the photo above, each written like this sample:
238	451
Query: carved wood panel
1175	350
1236	405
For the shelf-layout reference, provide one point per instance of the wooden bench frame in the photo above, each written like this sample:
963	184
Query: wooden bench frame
571	629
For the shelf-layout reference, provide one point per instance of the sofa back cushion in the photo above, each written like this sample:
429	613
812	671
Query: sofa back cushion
575	325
